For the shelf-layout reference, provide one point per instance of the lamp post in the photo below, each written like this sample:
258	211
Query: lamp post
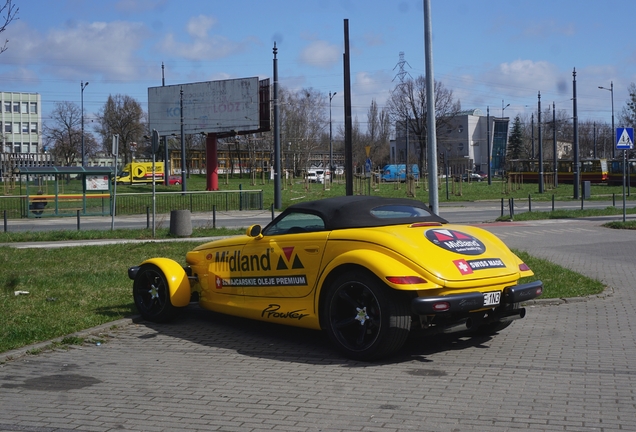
330	142
83	86
611	90
503	108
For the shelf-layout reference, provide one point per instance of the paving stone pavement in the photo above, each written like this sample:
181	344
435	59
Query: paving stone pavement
569	366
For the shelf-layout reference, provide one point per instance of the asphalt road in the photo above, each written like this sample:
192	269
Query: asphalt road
569	365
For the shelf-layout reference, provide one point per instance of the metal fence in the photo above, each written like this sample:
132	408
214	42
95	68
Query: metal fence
15	207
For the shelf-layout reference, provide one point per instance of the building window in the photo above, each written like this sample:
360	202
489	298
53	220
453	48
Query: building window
7	107
17	148
34	127
34	107
25	108
7	127
25	128
7	147
16	107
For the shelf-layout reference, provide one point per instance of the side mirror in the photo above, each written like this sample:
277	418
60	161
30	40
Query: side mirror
254	231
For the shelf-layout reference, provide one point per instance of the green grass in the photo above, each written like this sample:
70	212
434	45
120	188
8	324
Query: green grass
559	282
138	234
91	288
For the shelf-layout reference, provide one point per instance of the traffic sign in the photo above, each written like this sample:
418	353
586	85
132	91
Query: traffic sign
624	138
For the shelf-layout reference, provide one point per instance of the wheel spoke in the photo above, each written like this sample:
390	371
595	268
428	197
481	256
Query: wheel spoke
343	294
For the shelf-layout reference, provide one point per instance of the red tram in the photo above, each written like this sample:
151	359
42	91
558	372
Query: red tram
527	170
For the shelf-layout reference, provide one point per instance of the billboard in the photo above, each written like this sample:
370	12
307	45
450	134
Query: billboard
227	106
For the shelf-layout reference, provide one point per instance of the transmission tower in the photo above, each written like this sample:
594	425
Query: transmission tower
401	73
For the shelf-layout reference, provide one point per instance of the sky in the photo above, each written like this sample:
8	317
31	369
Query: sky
491	54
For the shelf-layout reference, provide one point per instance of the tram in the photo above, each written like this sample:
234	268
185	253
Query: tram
616	172
527	170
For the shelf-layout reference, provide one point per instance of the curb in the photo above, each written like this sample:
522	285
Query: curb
46	345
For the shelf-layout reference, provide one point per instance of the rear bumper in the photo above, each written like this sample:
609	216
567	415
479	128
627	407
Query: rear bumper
472	301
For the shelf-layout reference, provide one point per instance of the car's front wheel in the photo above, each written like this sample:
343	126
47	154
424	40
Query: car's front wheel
364	318
151	294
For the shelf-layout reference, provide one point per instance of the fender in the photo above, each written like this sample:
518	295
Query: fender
381	265
178	283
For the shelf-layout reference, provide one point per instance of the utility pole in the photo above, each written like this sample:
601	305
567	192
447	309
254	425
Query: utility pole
575	145
540	168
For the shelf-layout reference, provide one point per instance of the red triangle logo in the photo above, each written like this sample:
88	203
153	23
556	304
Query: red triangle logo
288	252
461	236
443	237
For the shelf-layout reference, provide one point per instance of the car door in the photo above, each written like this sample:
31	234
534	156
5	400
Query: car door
285	261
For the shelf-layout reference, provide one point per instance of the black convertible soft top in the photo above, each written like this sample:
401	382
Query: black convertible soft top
361	211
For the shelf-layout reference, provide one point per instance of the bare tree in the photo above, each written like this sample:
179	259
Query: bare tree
8	12
122	115
378	133
303	119
63	134
408	101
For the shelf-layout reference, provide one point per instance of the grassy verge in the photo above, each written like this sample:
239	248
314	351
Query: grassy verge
92	288
128	234
573	214
559	282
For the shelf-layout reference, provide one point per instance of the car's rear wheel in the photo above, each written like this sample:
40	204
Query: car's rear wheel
151	294
364	318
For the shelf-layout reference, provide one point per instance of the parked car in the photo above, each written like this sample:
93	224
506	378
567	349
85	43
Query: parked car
391	173
366	270
473	176
174	180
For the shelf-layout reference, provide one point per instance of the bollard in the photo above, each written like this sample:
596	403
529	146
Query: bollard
214	216
272	211
240	196
5	221
147	217
613	199
552	202
511	205
78	220
529	203
582	195
180	223
502	207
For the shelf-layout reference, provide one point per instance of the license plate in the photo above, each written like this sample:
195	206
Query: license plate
492	298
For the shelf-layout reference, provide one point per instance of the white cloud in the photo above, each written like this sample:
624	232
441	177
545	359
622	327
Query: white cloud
522	76
107	49
202	46
199	26
321	54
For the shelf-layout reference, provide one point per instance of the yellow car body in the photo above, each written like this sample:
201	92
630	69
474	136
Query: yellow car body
367	270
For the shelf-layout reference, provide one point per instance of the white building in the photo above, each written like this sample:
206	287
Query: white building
462	145
21	122
20	131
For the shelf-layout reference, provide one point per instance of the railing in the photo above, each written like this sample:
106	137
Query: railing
137	203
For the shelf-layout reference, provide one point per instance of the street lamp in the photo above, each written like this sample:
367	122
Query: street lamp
330	137
611	90
83	86
503	108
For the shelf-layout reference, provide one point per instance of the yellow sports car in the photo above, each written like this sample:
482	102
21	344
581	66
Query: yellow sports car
367	270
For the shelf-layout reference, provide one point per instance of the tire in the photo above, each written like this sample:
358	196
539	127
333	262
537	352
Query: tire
364	318
151	294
